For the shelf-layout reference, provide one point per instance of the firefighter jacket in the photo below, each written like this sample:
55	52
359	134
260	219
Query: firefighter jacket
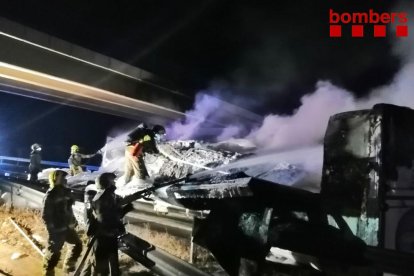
143	140
35	160
57	210
75	159
107	213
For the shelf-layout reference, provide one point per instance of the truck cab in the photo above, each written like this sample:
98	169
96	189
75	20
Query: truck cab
368	173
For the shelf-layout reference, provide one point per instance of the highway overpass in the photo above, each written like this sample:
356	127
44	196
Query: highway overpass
40	66
37	65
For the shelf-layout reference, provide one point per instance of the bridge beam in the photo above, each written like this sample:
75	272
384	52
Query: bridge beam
37	65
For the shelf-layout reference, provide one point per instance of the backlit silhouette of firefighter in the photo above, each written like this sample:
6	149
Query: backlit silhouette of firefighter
104	222
141	140
35	160
60	223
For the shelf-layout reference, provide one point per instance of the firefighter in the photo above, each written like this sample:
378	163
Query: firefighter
60	223
141	140
75	159
35	160
104	220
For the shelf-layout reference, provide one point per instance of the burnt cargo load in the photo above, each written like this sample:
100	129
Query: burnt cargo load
206	193
368	158
250	216
368	165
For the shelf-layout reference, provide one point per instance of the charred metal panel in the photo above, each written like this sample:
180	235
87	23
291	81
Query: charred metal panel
322	241
368	155
348	158
351	168
398	146
231	234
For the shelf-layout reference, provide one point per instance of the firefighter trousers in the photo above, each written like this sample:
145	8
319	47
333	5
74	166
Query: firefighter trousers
104	259
54	247
74	170
134	166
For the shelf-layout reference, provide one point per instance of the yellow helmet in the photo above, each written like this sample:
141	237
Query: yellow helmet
53	176
74	149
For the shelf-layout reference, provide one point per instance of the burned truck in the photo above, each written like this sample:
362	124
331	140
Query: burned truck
361	221
362	218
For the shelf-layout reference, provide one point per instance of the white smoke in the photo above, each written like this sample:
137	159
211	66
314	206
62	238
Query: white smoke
113	153
307	125
404	47
212	117
204	106
228	133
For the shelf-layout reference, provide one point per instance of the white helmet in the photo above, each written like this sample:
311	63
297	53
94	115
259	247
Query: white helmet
36	147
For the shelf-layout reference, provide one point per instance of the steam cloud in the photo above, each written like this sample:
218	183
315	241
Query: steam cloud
204	107
308	123
214	119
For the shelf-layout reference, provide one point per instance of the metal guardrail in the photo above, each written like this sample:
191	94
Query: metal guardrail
20	195
166	264
18	163
176	222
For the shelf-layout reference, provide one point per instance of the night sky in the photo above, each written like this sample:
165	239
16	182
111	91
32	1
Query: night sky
267	53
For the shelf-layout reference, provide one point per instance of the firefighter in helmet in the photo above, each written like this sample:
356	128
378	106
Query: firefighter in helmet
141	140
60	223
75	159
105	223
35	160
